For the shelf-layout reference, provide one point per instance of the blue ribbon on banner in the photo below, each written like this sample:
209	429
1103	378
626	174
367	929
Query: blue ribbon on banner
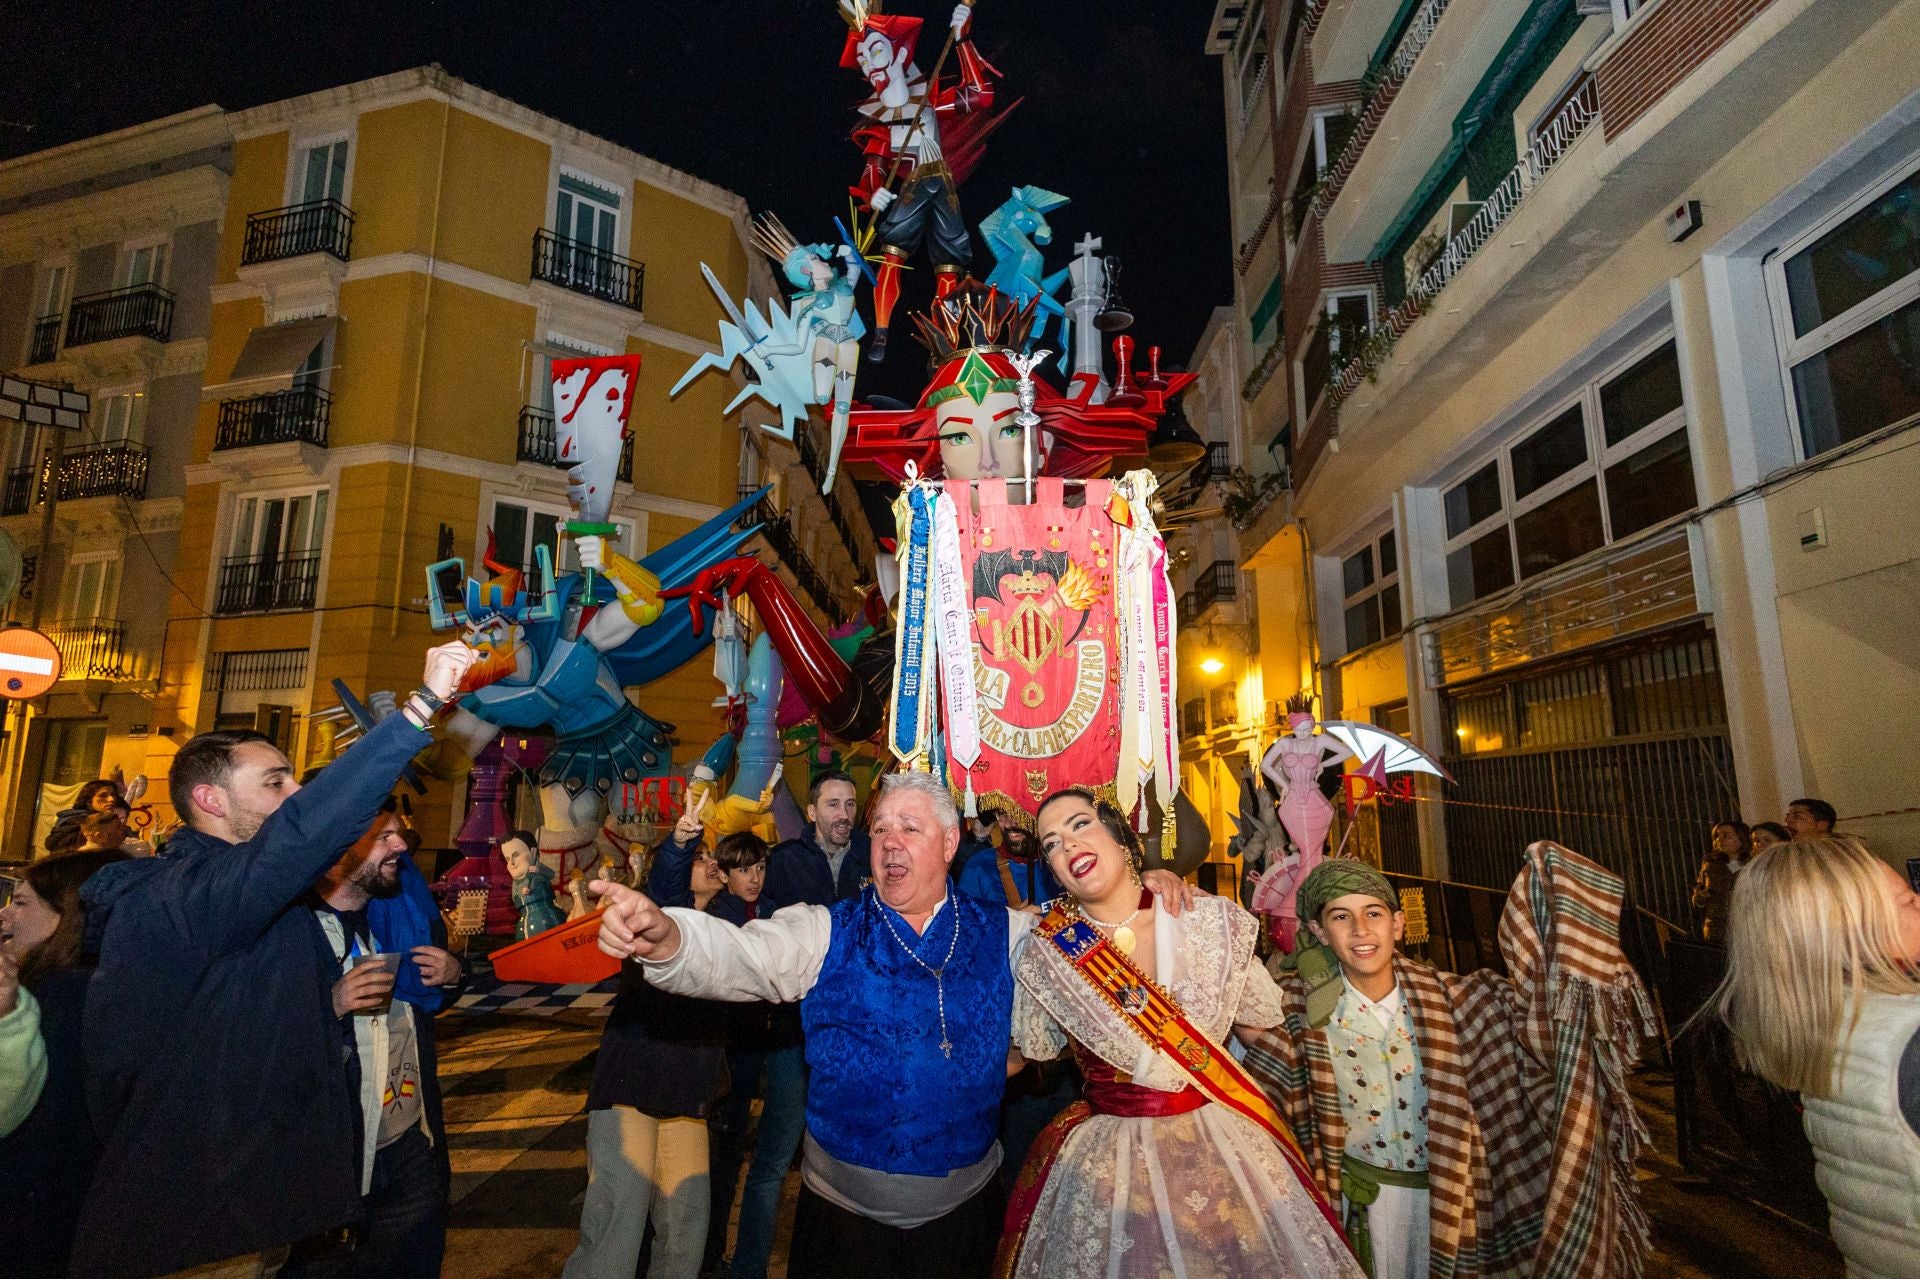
909	686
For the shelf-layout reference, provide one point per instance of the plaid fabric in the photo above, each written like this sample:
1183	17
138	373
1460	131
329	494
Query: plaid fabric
1531	1134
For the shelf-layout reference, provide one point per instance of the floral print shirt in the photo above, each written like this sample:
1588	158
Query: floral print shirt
1383	1089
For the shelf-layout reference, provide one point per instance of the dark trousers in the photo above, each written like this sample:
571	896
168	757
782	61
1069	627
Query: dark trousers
404	1235
926	214
831	1243
727	1129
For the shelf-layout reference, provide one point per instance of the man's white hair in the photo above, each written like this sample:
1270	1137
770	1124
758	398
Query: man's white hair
914	782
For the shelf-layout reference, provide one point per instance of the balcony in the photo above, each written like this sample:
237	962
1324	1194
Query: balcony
1347	36
46	339
582	268
539	444
324	226
16	497
1193	717
140	310
90	649
1218	582
777	532
267	583
816	468
300	415
99	470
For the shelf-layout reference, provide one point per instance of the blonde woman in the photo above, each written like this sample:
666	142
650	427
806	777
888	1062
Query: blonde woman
1822	994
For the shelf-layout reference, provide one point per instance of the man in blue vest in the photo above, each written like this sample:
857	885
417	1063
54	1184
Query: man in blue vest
907	999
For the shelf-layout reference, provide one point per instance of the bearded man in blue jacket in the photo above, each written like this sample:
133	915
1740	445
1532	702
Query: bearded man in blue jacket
215	1074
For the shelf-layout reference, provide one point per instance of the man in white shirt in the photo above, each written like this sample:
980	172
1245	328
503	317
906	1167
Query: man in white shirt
907	996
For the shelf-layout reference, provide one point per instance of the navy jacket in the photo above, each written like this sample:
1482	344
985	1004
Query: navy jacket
214	1073
798	871
49	1158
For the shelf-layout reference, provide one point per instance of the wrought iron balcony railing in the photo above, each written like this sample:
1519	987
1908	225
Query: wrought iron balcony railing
267	583
779	535
99	470
1218	582
17	496
140	310
323	226
583	268
279	417
538	443
46	339
90	649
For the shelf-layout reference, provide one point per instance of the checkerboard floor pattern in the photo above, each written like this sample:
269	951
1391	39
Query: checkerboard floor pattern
484	994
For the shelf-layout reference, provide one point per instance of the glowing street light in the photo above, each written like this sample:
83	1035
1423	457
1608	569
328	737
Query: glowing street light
1212	665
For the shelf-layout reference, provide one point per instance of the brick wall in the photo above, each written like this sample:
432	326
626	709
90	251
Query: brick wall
1660	50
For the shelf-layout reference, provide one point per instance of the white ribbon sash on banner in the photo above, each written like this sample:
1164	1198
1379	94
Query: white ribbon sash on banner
1149	745
948	606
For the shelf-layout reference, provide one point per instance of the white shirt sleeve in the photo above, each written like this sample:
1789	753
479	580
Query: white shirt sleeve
776	959
1020	926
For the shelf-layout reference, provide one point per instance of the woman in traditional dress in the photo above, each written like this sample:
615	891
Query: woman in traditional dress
1175	1163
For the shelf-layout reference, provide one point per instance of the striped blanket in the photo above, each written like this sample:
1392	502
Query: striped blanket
1532	1136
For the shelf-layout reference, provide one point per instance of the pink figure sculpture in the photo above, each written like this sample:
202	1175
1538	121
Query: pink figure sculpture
1295	763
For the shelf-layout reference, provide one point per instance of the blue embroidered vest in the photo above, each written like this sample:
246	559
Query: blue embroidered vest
882	1095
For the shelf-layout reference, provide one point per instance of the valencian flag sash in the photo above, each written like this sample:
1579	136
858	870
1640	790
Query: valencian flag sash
1041	615
1157	1019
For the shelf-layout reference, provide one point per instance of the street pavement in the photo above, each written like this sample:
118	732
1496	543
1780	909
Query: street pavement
516	1087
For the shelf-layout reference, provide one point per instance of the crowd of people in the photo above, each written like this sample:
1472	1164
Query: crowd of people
989	1049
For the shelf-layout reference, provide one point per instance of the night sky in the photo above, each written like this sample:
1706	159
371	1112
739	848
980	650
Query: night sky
1122	107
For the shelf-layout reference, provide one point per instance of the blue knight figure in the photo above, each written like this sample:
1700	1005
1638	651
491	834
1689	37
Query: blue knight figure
559	653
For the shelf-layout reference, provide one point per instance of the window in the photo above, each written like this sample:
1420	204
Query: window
1331	130
1347	321
1370	584
1624	11
90	590
280	528
322	172
53	291
586	213
518	527
1847	306
146	264
120	417
1612	461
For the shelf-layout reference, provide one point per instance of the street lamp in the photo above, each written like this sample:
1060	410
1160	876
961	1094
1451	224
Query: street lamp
1212	665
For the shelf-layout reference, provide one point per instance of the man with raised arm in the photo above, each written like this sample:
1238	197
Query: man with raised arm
907	999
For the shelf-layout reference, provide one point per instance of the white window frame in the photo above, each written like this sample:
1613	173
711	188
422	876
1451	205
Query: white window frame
46	303
261	497
540	357
619	193
107	589
1625	11
1382	582
161	245
1330	308
295	191
1600	454
136	421
623	541
1797	350
1317	140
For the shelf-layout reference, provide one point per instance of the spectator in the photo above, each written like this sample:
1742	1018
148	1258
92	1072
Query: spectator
403	1186
50	1157
828	864
1765	835
1713	886
132	845
1011	876
742	858
23	1054
96	796
831	860
662	1067
1810	818
102	832
979	835
65	837
211	1046
1822	996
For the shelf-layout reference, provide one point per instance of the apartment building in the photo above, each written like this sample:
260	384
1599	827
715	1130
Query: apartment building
399	261
1596	322
107	253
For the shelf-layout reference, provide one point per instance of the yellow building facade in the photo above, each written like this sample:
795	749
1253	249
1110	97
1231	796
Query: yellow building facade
352	384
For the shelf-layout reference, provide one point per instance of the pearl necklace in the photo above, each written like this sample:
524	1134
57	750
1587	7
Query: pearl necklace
940	973
1123	939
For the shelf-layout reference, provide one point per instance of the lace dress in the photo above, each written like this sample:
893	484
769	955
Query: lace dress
1174	1186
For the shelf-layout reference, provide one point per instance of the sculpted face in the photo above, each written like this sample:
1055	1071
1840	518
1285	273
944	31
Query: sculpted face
501	653
911	849
520	858
878	60
981	441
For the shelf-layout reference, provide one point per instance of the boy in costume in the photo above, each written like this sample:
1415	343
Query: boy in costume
1474	1125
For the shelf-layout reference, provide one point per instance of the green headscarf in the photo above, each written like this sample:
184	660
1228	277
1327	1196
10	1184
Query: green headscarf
1317	965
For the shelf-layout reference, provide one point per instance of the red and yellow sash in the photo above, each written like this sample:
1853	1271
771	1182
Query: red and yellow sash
1157	1019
